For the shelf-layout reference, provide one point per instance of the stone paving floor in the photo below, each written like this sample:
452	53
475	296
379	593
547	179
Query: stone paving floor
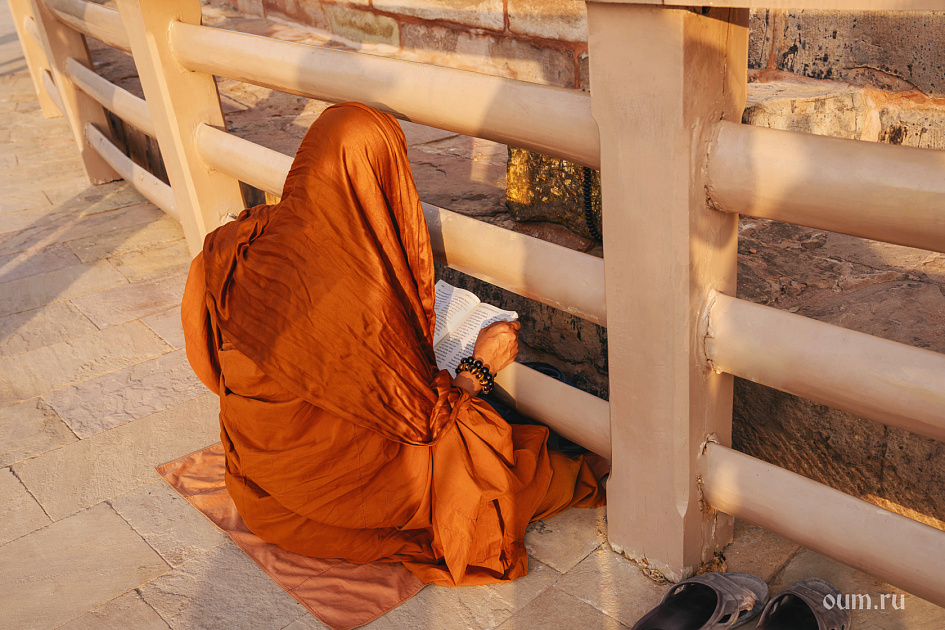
95	391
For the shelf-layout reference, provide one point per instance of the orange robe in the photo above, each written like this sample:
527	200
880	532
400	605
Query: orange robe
313	320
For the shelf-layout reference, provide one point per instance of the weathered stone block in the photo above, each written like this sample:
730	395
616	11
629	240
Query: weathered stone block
127	611
555	608
551	19
479	13
913	123
113	399
609	583
131	301
824	108
481	52
30	428
362	26
87	472
251	7
52	367
564	540
891	50
21	513
168	522
246	598
58	573
43	326
305	12
478	608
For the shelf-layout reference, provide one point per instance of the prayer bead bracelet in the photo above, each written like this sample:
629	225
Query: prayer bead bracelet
480	371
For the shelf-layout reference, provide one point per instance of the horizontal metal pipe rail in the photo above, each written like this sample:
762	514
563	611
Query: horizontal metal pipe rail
102	23
875	378
123	103
550	120
148	185
903	552
878	191
565	279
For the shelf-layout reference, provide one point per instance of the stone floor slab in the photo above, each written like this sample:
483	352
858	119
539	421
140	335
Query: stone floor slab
77	222
127	612
78	359
60	285
167	324
92	200
58	573
157	261
125	303
556	609
21	513
564	540
612	584
25	264
221	588
757	551
41	327
470	607
108	464
139	390
30	428
14	202
167	522
161	231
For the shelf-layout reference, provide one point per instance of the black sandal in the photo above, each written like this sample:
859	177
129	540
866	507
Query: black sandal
711	601
801	607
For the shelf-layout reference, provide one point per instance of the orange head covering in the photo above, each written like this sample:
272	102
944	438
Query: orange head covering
339	309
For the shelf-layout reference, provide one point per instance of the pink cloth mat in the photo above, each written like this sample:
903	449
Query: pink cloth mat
340	594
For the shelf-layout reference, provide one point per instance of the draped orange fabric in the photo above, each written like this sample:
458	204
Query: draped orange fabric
313	319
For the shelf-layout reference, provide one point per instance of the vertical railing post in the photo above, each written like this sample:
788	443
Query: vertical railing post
34	55
179	101
661	78
61	42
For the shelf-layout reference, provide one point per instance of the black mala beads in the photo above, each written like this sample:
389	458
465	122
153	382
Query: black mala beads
480	371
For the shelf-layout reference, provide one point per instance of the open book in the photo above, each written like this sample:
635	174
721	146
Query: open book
460	315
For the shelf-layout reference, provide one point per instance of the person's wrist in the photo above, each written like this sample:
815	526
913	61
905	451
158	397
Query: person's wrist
478	371
465	380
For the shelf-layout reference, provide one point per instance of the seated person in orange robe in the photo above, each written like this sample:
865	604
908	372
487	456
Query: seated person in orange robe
313	320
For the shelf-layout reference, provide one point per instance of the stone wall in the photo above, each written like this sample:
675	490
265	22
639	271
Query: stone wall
542	41
898	51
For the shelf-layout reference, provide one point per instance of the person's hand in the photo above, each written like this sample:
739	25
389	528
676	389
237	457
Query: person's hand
497	344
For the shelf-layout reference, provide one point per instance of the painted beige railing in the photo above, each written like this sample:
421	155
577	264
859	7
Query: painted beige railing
677	167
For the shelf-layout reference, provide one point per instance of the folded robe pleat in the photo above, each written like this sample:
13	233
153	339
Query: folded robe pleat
313	320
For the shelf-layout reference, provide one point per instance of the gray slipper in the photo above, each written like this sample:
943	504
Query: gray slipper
711	601
801	607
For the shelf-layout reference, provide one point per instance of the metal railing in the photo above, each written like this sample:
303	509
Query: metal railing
676	168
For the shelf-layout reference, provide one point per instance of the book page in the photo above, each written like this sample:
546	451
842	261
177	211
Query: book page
451	305
459	342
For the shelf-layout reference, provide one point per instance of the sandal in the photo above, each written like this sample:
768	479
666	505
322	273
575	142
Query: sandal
711	601
801	607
